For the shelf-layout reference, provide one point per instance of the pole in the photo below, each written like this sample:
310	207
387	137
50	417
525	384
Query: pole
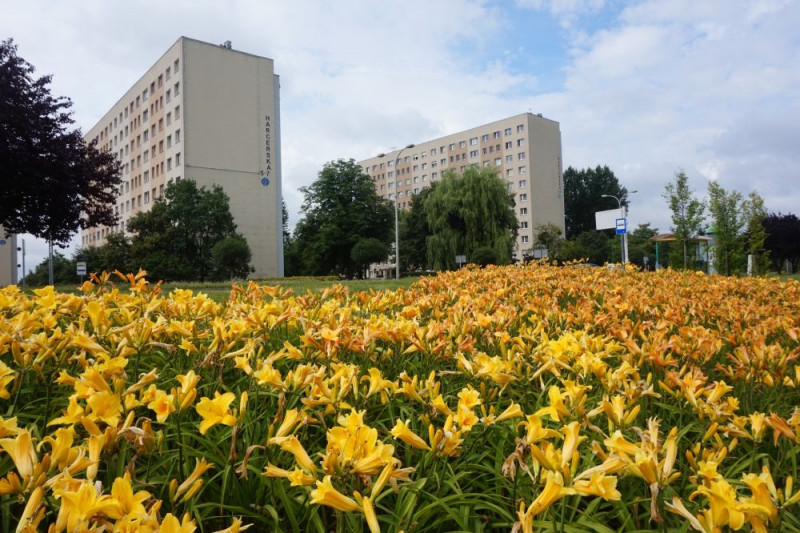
397	215
50	263
24	275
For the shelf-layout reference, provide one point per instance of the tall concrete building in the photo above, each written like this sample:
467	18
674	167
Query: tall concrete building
8	259
207	113
524	149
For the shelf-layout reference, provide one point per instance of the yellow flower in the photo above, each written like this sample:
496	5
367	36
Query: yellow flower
216	411
598	485
235	527
184	397
6	376
129	504
401	431
553	491
293	446
170	524
22	452
193	481
162	404
326	494
32	514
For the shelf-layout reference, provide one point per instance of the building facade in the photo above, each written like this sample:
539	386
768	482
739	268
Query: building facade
524	149
207	113
8	259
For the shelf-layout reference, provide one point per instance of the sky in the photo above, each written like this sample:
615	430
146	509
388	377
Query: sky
647	87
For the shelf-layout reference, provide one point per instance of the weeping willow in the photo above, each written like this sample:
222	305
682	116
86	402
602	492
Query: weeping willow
469	211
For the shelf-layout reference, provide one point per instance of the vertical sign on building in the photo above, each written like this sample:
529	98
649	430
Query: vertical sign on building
267	139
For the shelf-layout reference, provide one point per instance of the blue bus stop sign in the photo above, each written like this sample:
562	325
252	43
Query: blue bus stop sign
621	226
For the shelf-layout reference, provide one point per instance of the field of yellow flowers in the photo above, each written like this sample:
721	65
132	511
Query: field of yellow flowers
527	398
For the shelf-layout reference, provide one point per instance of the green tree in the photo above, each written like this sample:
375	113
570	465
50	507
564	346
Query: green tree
115	254
64	272
414	232
592	246
232	257
755	213
340	208
687	216
368	251
640	245
727	216
175	239
783	240
53	182
583	196
470	211
548	236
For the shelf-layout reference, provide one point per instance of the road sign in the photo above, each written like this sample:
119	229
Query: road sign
621	226
81	268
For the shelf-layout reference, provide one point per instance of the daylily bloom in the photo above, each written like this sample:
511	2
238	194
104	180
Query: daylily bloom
401	431
326	494
216	411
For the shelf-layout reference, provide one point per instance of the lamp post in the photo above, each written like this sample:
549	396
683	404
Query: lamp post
623	237
397	213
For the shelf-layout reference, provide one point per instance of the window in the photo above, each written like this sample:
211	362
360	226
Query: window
160	147
177	160
176	65
433	151
160	124
167	74
177	112
462	144
487	163
485	137
147	197
509	172
443	162
496	135
160	80
524	239
169	119
177	89
521	156
425	165
497	161
169	141
507	131
416	167
434	175
523	183
146	156
522	170
145	95
473	153
523	224
509	159
145	135
452	146
177	136
520	142
520	128
424	178
408	181
473	141
523	197
146	176
433	164
169	95
509	144
523	210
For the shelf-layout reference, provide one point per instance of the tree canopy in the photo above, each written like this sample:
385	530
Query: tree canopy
783	240
340	208
414	232
54	183
687	216
470	211
175	239
583	196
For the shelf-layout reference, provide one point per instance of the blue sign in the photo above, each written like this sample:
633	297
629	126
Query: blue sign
2	242
265	181
621	226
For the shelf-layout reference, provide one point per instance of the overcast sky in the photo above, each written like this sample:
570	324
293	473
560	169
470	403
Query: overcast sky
645	87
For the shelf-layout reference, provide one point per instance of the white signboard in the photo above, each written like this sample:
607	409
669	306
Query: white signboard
606	219
81	268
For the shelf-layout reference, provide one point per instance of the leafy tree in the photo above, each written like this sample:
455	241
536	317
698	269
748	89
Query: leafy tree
687	216
593	246
340	208
727	217
368	251
414	232
175	239
583	196
467	212
232	257
755	234
485	255
548	236
115	254
287	235
54	183
64	272
640	245
783	240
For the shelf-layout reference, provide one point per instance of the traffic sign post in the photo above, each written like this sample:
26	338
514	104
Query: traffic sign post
622	226
81	268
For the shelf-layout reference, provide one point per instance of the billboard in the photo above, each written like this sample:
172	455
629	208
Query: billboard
607	219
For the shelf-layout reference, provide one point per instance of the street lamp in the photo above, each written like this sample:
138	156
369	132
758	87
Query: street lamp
623	249
397	213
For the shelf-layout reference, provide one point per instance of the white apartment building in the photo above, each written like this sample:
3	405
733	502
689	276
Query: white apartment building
207	113
8	259
524	149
